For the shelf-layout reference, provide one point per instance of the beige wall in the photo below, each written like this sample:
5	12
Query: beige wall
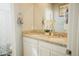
38	16
27	14
33	14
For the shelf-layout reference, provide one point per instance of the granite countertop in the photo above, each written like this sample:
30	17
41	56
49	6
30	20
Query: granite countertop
62	41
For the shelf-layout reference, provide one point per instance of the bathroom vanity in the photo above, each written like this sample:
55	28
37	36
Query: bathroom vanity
39	44
51	40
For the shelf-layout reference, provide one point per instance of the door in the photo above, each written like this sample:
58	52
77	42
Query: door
73	32
7	26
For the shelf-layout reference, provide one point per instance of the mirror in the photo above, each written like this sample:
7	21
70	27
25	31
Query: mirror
56	18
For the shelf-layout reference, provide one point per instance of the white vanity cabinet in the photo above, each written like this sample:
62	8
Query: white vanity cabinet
30	47
36	47
48	49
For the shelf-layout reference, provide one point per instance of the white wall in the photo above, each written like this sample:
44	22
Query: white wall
18	32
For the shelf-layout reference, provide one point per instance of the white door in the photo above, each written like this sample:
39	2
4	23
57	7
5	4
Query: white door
73	38
10	32
5	20
7	30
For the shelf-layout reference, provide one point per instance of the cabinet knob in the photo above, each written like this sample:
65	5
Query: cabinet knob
69	52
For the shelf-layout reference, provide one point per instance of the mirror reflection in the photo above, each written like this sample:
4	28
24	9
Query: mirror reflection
55	18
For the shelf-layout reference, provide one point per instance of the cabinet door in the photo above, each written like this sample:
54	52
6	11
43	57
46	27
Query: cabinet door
58	50
44	48
30	49
56	53
44	51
